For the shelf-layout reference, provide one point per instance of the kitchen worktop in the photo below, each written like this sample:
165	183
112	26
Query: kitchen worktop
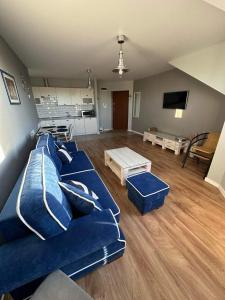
63	118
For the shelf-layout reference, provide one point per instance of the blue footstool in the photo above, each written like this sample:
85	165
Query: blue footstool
146	191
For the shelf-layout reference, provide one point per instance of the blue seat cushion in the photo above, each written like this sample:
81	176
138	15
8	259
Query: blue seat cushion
94	182
25	260
71	147
82	201
80	267
48	141
41	205
81	162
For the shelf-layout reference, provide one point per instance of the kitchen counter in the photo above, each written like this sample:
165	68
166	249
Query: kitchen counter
63	118
80	125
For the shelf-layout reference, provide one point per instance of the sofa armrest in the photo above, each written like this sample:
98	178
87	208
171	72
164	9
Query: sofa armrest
30	258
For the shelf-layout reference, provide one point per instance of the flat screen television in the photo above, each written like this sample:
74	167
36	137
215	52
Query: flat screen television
175	100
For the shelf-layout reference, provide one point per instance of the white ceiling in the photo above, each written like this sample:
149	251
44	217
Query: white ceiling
62	38
217	3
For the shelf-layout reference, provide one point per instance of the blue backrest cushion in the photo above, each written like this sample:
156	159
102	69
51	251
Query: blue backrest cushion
81	198
64	155
48	141
41	204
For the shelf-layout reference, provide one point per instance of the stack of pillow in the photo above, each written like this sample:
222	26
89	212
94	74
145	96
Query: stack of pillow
77	193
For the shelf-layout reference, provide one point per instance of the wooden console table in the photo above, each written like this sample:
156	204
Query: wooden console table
167	141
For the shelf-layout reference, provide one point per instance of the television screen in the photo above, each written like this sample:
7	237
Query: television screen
175	100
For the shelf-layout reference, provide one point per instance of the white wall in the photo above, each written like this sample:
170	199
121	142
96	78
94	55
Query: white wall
223	182
216	173
16	123
105	100
206	65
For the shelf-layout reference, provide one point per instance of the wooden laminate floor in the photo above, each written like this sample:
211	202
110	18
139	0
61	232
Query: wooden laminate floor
176	252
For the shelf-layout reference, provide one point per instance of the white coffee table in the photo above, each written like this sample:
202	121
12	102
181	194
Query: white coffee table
125	162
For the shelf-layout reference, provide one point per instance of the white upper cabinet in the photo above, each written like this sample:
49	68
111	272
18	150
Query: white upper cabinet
75	94
36	92
87	96
47	91
87	93
63	96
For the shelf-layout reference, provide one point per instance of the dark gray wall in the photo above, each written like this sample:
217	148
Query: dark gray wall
16	123
205	109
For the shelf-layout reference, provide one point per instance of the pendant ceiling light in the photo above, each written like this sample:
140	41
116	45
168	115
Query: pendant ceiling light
89	79
121	68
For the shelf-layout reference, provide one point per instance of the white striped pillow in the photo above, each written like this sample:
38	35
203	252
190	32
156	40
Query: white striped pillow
81	186
64	155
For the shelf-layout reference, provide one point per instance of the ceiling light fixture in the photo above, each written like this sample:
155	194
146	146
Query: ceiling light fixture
121	68
89	79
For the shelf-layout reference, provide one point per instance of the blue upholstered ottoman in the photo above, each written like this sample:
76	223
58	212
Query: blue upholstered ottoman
146	191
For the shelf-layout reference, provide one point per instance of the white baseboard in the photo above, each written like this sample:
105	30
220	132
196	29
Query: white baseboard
217	185
137	132
107	129
222	190
212	182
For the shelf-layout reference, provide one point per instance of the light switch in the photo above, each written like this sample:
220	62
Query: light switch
179	113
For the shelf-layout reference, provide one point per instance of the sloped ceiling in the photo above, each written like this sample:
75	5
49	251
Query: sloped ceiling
217	3
206	65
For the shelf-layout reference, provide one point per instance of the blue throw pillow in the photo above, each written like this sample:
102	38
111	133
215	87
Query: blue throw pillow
64	155
60	145
82	198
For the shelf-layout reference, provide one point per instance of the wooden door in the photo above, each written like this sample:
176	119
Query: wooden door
120	109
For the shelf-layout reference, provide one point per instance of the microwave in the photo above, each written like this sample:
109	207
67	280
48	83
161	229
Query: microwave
88	113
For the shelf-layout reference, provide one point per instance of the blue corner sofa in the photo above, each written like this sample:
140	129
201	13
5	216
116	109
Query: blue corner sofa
41	231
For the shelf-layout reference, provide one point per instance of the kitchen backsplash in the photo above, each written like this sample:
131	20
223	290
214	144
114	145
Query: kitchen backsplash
52	110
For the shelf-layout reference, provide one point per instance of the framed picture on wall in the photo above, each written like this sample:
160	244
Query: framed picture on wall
11	88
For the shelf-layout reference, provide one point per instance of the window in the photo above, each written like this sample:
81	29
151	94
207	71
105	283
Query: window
136	104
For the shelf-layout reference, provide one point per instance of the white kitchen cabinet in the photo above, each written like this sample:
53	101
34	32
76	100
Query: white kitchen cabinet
79	126
47	123
90	125
75	96
87	96
63	96
87	93
67	122
47	91
36	92
44	123
37	96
